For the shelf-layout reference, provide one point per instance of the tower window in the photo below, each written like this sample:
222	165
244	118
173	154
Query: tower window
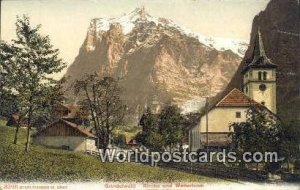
259	76
263	103
238	114
246	89
264	75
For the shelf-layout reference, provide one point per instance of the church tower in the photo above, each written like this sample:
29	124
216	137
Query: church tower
259	77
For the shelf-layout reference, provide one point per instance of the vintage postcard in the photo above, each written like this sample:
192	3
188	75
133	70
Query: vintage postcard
149	94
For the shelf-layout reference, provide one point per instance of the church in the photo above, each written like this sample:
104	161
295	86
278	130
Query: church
259	88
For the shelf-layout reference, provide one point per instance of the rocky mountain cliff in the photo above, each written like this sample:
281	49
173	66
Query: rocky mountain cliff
279	24
156	60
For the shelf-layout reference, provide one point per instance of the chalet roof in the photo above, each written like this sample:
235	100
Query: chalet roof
78	128
72	125
236	98
259	57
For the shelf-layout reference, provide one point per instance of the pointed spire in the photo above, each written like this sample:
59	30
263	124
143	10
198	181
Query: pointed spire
259	56
259	50
261	44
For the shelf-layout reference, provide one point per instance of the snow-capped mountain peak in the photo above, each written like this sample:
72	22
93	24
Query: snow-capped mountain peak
139	15
157	60
127	21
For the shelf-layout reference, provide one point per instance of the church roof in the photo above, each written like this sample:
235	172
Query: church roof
236	98
259	57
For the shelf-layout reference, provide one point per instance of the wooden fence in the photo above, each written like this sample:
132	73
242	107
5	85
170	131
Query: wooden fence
219	171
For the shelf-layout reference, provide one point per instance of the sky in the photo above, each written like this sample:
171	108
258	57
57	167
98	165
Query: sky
66	21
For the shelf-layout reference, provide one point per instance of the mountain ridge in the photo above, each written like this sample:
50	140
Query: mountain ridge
156	63
127	21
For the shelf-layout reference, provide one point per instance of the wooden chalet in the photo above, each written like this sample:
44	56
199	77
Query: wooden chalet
66	135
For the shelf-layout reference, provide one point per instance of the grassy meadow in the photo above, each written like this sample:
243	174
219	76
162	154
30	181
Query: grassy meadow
44	164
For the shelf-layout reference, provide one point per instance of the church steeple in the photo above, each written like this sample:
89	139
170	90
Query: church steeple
259	57
259	76
259	49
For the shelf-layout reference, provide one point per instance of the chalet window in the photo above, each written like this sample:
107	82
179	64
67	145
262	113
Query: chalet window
238	114
259	76
265	76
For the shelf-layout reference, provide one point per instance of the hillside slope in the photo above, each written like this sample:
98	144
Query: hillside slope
43	164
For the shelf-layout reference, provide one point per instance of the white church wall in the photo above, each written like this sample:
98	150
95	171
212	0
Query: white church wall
219	119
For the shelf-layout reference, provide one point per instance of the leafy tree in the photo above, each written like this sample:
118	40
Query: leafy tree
162	130
8	104
265	133
149	121
101	97
150	136
29	61
45	113
120	140
289	142
171	125
260	132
